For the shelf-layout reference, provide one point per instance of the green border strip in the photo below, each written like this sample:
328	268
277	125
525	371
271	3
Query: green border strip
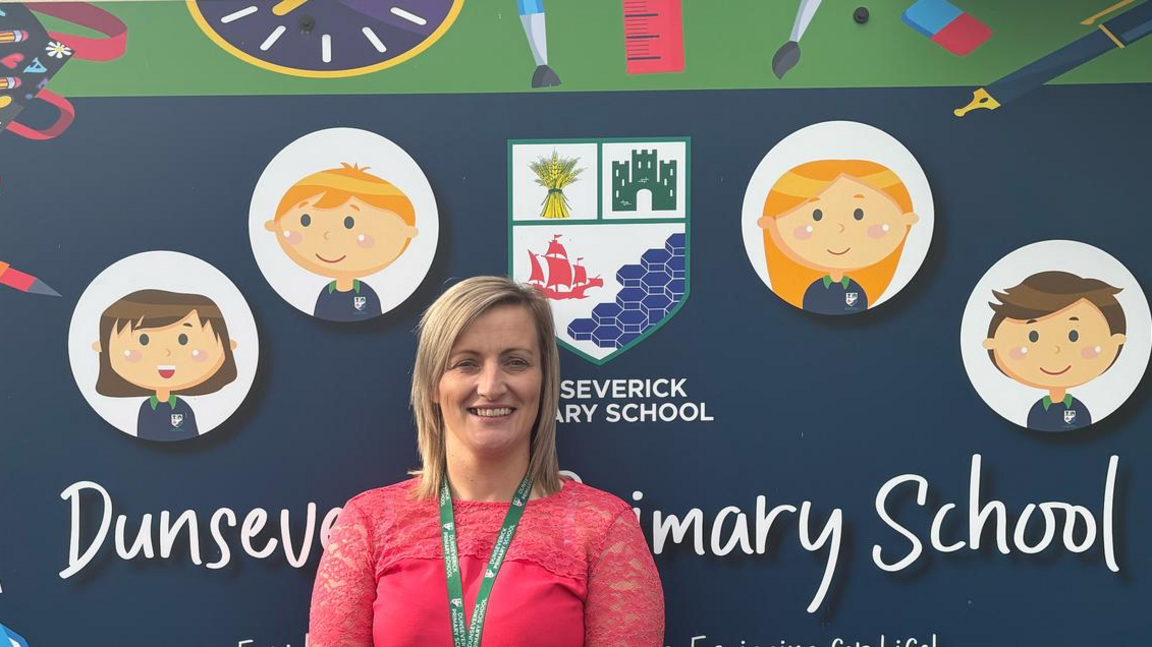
687	220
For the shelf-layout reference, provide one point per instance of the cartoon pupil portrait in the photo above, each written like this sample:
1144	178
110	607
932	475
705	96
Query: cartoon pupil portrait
159	344
1056	331
344	224
833	234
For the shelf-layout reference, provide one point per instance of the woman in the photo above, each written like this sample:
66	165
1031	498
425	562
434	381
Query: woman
829	219
575	569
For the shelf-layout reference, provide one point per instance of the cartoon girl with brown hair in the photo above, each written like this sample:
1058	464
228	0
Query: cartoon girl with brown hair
834	231
157	344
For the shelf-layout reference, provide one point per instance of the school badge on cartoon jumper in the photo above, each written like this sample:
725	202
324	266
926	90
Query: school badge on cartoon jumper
850	298
1069	416
177	419
358	302
601	228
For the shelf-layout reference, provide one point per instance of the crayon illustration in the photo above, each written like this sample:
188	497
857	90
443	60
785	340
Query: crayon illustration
788	55
10	82
532	17
1056	331
160	345
834	231
947	25
344	224
1117	33
24	282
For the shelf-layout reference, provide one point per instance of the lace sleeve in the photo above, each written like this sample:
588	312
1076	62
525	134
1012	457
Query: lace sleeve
341	614
625	604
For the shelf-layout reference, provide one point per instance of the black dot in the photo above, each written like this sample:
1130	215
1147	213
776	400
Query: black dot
305	220
349	222
183	339
817	215
143	340
858	214
1033	336
860	15
1073	335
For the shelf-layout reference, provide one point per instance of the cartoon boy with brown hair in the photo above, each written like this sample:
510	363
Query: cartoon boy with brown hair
344	224
1056	331
157	344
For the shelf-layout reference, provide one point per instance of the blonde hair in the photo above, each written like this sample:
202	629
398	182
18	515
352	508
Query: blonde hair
804	183
441	325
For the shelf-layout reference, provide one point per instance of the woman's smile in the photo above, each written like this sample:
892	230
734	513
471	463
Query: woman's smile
166	371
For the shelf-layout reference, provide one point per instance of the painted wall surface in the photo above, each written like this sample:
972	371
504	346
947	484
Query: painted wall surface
172	149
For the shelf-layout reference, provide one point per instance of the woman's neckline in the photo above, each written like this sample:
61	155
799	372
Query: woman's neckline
565	484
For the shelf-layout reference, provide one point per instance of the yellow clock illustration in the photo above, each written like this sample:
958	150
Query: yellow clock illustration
324	38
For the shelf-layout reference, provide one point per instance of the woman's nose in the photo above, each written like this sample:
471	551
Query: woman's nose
327	233
841	226
491	385
1056	349
167	352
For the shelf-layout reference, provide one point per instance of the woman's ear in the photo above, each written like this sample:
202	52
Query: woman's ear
988	344
232	342
96	347
911	219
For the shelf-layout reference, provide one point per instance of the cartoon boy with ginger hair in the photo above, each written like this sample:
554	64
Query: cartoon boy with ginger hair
344	224
1056	331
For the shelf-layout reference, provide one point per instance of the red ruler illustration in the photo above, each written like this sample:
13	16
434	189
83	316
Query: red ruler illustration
653	36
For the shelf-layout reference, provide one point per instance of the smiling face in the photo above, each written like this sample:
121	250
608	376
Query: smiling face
848	226
351	240
1061	350
171	358
489	394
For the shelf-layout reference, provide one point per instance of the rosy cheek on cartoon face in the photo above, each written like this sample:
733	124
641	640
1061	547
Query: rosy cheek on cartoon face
365	241
878	231
802	233
1018	352
133	356
292	237
199	355
1091	352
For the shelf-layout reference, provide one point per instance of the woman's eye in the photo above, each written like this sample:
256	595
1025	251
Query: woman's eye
817	215
1033	336
305	220
143	340
518	363
1073	335
349	222
183	339
858	214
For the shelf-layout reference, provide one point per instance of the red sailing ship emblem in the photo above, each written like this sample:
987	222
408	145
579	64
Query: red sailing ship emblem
564	279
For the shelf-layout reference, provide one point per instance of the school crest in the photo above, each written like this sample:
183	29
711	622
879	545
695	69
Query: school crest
177	419
358	302
850	298
1069	416
601	228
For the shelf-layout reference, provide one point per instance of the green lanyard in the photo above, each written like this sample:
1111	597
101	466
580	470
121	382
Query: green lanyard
462	635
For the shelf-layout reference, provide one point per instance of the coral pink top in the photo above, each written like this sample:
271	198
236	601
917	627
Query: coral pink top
578	573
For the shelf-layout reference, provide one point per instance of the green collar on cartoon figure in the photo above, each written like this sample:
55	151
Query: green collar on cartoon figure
155	402
1048	401
828	281
355	286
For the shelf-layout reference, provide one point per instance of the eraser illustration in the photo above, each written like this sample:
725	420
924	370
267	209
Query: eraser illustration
947	25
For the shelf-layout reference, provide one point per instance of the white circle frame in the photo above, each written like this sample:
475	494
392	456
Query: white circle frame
327	149
842	140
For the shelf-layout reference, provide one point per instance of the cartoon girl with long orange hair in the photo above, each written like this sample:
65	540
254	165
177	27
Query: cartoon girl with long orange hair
834	231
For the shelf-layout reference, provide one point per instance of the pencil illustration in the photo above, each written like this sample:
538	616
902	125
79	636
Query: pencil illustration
24	282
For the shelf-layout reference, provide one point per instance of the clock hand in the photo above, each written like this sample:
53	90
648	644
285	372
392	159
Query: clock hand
284	7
